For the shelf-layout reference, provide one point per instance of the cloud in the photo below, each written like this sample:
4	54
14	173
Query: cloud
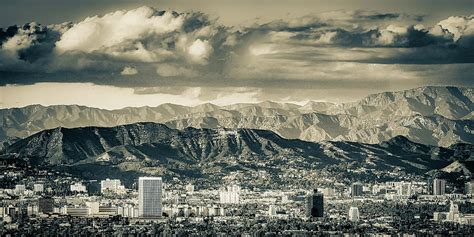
166	46
142	35
127	71
169	70
200	50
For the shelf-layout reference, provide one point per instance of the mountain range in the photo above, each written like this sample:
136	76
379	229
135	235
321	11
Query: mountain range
439	116
127	151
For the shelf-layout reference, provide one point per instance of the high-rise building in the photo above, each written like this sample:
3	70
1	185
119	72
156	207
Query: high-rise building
439	186
354	214
315	204
469	187
357	190
272	209
231	195
46	205
149	197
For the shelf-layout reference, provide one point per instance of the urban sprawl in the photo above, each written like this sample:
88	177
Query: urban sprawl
48	204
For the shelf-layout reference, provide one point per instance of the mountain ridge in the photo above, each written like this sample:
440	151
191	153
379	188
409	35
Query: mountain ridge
152	148
439	116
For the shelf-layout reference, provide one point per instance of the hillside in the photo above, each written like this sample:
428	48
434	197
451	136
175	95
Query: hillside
157	149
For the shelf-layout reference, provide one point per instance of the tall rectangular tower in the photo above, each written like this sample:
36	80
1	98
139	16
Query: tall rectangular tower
357	190
149	197
315	204
439	187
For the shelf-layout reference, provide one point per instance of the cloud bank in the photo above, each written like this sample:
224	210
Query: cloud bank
156	46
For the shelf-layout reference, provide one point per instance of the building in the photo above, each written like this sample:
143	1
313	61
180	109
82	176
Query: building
328	192
20	188
354	214
190	188
111	186
38	188
31	210
315	204
93	207
453	214
127	211
272	210
439	187
404	189
78	187
439	216
357	190
107	210
78	211
149	197
230	195
469	187
46	205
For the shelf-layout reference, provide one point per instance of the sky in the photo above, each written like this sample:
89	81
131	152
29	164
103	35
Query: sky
118	53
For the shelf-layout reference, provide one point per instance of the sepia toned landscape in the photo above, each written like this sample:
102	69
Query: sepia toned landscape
251	118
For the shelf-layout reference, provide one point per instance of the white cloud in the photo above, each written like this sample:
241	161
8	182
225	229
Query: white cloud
116	28
262	49
457	26
127	71
200	50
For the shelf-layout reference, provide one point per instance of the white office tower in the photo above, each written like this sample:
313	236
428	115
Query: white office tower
354	214
38	188
111	186
231	195
149	197
439	187
272	209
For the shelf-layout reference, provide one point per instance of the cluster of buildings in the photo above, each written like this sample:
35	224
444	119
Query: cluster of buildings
453	215
151	202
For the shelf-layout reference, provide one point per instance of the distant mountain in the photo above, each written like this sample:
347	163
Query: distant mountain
210	153
439	116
